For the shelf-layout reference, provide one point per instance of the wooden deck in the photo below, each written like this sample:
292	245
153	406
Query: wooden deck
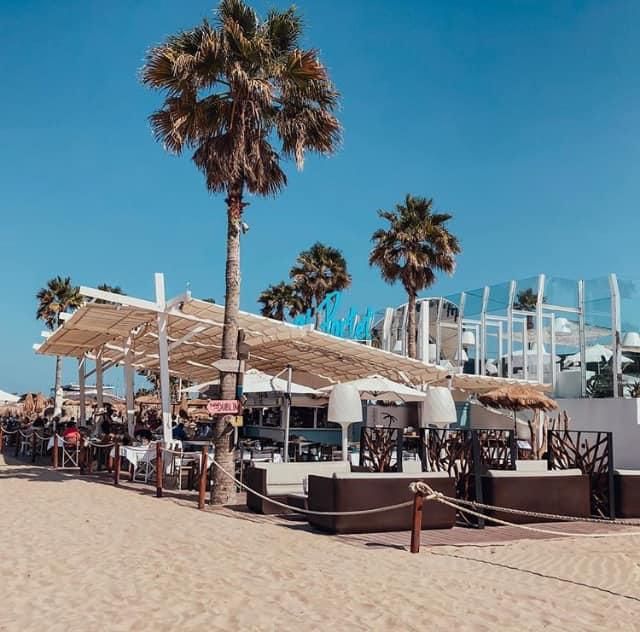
458	536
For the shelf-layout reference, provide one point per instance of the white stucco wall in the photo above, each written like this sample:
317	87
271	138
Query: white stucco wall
620	416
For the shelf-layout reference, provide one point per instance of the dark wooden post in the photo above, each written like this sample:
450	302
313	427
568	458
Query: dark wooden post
416	525
1	439
33	447
116	464
159	469
89	463
610	477
18	441
476	457
202	489
54	455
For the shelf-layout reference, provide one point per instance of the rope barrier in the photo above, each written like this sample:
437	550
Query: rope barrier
9	432
420	488
361	512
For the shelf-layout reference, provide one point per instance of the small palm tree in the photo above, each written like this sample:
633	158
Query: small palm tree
232	91
411	249
57	297
280	300
105	287
317	271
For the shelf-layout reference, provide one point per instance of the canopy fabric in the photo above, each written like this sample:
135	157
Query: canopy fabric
195	340
482	383
378	387
258	382
517	397
8	398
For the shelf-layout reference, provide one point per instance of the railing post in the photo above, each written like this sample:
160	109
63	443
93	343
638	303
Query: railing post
159	467
202	488
54	455
116	464
1	439
33	447
416	523
476	457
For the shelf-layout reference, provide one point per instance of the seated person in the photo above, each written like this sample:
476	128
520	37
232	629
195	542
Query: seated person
143	434
179	432
71	434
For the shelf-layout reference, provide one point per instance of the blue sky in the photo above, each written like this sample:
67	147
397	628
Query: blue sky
521	118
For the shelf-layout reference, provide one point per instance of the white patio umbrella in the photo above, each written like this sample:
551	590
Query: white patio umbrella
377	387
595	353
8	398
258	382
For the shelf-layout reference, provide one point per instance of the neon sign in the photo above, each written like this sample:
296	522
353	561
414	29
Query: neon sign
353	326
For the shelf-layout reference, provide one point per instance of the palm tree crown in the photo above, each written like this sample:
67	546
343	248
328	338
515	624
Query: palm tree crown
412	248
232	88
105	287
56	297
317	271
280	300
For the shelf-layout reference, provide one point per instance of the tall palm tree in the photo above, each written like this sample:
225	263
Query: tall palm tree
57	297
317	271
232	89
280	300
411	249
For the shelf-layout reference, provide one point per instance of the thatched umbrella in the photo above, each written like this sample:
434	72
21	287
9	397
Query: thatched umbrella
517	397
183	410
39	404
28	406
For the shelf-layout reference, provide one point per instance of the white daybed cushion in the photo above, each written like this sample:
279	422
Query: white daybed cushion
410	475
627	472
521	474
531	466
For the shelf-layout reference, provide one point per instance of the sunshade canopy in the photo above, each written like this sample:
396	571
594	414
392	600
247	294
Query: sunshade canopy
258	382
8	398
195	341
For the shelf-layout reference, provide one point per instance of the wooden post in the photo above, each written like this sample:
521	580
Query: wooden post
89	464
116	464
1	439
33	447
159	469
202	489
54	455
416	526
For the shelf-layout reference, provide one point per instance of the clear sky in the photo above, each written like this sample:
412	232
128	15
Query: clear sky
520	117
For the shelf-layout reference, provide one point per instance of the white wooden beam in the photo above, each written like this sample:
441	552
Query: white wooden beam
163	352
194	332
119	299
99	384
185	297
81	382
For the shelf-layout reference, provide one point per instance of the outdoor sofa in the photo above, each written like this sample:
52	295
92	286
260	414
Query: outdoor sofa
627	493
278	480
356	491
559	492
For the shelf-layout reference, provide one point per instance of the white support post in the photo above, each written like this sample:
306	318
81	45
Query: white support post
582	339
525	349
163	353
463	298
128	386
286	413
386	329
540	331
476	352
500	349
99	382
82	421
615	336
438	331
483	330
554	366
512	298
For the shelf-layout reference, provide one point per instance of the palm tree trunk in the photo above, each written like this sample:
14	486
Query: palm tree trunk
411	326
224	491
57	392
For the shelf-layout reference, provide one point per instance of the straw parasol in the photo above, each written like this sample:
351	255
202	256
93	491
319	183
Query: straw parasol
517	397
39	404
28	405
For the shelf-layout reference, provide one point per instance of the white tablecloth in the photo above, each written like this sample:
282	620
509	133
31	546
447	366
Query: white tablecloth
137	454
50	443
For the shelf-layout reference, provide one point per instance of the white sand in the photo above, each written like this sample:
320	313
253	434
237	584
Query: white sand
80	555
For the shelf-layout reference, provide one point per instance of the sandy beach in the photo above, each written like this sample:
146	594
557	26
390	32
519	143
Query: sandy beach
80	555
